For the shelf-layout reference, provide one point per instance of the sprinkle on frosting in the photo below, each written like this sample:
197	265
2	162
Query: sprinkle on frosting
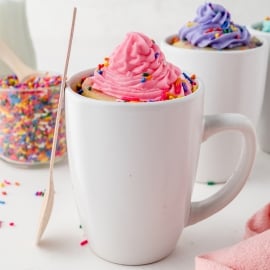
266	24
213	27
138	71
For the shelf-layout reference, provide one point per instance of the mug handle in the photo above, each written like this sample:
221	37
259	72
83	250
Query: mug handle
218	123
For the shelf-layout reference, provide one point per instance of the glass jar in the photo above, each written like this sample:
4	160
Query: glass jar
27	121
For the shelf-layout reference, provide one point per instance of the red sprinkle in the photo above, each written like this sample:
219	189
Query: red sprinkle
11	224
40	193
84	242
130	99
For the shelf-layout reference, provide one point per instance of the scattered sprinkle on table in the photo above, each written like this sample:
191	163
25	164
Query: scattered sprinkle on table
7	182
40	193
84	242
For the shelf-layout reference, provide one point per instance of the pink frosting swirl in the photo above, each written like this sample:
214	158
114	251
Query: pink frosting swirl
137	70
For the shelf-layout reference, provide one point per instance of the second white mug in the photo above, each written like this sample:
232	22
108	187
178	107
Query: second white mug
234	83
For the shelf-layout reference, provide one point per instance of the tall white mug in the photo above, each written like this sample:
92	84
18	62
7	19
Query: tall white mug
133	168
234	82
263	127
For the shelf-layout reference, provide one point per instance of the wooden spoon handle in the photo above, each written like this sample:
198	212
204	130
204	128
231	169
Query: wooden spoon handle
14	62
49	194
61	96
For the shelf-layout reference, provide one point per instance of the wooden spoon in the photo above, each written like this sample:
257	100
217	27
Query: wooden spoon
49	193
22	71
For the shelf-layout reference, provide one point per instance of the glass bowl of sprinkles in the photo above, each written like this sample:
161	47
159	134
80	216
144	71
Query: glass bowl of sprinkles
27	119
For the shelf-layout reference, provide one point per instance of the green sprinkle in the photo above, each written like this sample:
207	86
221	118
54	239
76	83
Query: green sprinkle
211	183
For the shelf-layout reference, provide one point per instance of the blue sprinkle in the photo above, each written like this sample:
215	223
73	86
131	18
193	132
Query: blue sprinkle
14	99
100	72
38	107
143	80
187	77
156	55
2	202
35	122
32	137
225	25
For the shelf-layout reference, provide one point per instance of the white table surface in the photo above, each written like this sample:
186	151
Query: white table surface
61	249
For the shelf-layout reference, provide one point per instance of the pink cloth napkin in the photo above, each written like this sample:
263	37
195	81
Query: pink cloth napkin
252	253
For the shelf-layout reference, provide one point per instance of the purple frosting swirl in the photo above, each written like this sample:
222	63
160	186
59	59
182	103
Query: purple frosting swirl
213	27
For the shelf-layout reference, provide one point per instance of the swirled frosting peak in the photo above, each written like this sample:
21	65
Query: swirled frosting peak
137	71
213	27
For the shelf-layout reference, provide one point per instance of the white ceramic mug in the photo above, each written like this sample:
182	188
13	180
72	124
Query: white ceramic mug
133	167
234	82
263	128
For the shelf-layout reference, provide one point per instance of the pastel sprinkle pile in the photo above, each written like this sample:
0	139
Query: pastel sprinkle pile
27	118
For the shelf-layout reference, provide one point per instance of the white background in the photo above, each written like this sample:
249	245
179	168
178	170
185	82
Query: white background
102	24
